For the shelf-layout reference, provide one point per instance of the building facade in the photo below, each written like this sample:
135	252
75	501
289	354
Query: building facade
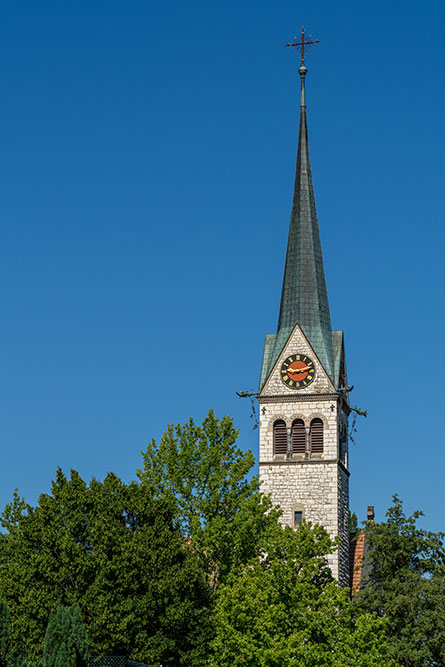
303	387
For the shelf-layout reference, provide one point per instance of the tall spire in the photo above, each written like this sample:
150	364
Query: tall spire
304	297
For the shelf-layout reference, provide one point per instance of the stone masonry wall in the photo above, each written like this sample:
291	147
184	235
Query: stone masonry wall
323	408
317	486
310	488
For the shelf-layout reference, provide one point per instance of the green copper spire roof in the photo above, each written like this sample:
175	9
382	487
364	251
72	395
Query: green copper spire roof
304	297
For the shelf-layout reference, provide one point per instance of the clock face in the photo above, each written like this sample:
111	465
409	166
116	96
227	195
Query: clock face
297	371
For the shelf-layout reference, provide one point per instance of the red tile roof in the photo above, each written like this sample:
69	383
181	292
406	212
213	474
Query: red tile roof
356	553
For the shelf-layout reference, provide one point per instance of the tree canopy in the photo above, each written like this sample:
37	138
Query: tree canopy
116	552
189	565
5	640
285	609
406	586
204	473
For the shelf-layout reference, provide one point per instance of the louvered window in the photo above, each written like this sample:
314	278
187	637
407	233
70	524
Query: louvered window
316	436
279	437
298	437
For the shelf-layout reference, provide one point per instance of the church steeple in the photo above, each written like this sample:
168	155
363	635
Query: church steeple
303	413
304	297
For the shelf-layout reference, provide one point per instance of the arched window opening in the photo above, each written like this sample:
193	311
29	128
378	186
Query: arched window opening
317	436
279	437
298	437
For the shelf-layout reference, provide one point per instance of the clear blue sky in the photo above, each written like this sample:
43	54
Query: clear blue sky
147	155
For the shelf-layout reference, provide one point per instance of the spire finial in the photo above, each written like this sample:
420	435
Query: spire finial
301	47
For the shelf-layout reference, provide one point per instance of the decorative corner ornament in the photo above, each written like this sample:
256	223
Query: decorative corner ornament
297	371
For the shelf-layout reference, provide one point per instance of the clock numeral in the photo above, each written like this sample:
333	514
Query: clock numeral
291	382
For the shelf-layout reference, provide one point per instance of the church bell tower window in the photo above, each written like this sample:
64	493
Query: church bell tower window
279	437
298	437
317	436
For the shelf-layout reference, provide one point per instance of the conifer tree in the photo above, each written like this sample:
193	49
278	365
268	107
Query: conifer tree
65	639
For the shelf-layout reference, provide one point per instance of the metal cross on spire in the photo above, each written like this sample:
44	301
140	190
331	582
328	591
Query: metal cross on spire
304	45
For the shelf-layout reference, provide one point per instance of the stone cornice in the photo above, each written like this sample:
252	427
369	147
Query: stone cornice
297	398
305	462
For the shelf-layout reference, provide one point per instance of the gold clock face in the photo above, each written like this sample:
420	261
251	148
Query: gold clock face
297	371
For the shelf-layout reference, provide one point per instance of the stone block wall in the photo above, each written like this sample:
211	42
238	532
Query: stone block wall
318	485
325	409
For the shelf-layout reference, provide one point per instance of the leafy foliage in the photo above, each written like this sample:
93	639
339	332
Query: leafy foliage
406	586
353	523
5	641
116	552
65	639
189	566
207	477
285	609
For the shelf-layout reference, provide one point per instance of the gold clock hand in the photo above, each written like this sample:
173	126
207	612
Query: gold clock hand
295	371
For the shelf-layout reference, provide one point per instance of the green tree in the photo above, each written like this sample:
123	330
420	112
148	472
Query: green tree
5	640
220	508
116	552
285	609
406	586
65	639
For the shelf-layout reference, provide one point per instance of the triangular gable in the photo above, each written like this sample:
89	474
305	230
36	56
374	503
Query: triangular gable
297	343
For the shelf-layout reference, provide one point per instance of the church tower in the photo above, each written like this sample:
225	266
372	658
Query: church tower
302	395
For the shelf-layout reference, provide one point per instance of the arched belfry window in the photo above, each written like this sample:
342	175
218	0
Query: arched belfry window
316	436
298	437
279	437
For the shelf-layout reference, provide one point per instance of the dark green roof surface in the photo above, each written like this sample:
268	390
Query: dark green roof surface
267	365
337	350
304	297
